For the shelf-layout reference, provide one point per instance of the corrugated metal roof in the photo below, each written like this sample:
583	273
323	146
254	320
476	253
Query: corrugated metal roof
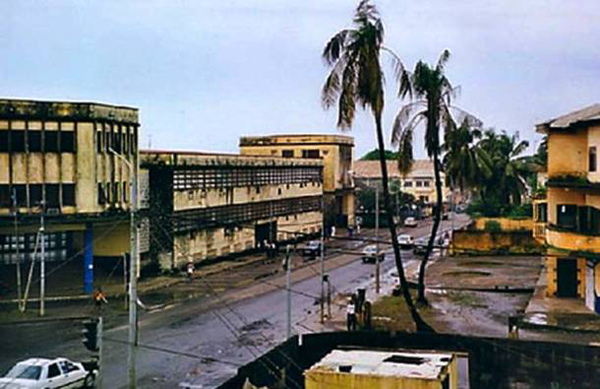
423	365
582	115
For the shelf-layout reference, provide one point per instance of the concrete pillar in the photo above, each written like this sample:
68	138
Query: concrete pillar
88	259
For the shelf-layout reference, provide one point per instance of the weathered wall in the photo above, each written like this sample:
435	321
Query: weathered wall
506	224
567	152
503	242
314	379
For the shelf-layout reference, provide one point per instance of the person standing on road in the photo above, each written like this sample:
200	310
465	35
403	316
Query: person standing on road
351	315
190	270
99	298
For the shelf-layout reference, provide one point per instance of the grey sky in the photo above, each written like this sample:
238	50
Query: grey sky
204	73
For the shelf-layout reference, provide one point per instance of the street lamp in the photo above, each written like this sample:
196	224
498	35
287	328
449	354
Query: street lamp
133	272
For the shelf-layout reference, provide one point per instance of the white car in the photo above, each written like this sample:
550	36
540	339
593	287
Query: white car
370	254
406	241
410	222
42	373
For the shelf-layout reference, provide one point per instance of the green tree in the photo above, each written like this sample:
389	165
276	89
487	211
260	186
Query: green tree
433	94
373	155
356	77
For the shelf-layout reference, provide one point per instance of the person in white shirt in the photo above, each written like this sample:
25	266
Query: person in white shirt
351	315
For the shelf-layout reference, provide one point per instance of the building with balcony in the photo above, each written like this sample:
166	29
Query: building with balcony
66	161
200	206
335	151
573	206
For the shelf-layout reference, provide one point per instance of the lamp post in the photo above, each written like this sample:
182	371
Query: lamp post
133	272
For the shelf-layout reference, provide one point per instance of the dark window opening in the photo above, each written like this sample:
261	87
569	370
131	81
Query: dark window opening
287	153
310	153
3	141
566	215
101	194
592	159
17	140
117	142
99	143
21	193
35	195
542	212
124	191
405	359
52	197
51	141
34	141
67	141
107	142
68	194
5	197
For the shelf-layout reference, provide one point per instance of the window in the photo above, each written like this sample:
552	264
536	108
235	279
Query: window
51	141
17	140
68	194
3	141
21	192
35	195
34	141
408	184
124	191
99	143
426	184
52	196
53	370
310	153
67	141
419	184
287	153
592	159
566	215
101	194
542	212
5	200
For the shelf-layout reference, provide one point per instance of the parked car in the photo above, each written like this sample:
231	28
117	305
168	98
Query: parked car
311	249
406	241
410	222
370	254
42	373
420	249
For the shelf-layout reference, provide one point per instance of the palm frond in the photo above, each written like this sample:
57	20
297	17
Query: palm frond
403	116
444	57
335	47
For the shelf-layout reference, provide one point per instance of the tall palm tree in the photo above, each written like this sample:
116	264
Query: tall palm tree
433	105
356	77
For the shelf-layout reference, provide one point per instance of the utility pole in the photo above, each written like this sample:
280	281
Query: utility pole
288	285
43	261
377	269
132	338
322	302
17	243
100	356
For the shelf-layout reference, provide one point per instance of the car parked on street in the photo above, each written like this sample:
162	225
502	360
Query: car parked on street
410	222
43	373
406	241
370	254
312	249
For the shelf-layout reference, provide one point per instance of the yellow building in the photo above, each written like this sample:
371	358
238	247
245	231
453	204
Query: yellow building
201	206
406	369
419	182
573	204
335	151
66	161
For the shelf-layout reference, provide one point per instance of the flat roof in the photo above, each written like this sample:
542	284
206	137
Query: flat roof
24	109
296	139
199	158
405	363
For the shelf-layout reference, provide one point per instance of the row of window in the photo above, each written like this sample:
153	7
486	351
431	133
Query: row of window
112	137
195	219
111	193
418	183
22	247
205	178
305	154
584	219
19	141
32	195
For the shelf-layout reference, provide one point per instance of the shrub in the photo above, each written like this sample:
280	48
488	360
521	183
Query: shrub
492	226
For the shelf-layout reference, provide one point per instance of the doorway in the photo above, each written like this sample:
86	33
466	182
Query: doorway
566	278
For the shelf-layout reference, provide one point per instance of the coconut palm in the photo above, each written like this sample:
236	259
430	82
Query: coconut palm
433	94
356	77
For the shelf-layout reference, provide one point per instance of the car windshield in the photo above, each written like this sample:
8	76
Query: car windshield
26	372
370	249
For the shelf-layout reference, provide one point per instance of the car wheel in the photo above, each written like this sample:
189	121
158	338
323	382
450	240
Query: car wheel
89	380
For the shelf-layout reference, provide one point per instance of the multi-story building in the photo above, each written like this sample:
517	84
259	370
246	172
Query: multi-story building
201	206
419	181
573	206
336	153
68	162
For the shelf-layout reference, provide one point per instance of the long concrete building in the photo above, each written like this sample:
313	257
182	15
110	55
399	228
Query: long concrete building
66	161
202	206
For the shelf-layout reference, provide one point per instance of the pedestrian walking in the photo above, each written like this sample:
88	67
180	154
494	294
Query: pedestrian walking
190	271
99	298
351	315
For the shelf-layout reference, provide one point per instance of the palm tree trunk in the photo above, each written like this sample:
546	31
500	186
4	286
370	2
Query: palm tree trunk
437	216
420	324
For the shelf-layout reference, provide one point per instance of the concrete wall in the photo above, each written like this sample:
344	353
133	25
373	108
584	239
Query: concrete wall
317	379
567	152
503	242
507	224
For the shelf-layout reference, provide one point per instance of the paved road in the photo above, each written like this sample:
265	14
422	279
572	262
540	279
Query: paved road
199	346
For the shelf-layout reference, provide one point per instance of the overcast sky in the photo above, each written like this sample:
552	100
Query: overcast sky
204	73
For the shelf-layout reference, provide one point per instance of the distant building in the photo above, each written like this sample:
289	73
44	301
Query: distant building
408	369
335	151
200	206
572	233
67	161
419	181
